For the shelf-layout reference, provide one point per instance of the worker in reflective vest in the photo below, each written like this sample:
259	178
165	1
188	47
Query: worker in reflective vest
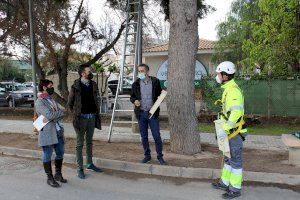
233	113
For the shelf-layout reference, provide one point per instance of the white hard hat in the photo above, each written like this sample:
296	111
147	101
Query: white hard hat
227	67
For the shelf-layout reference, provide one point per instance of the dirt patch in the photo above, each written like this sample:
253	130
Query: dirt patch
210	157
15	112
209	117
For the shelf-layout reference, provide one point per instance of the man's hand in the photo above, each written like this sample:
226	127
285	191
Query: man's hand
137	103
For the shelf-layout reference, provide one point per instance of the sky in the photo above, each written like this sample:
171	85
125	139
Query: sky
207	26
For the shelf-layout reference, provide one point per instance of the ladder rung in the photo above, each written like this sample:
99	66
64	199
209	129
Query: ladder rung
132	33
132	54
135	2
129	65
124	122
124	110
123	97
132	23
131	43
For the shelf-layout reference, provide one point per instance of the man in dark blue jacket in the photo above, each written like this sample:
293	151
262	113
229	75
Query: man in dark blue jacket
145	91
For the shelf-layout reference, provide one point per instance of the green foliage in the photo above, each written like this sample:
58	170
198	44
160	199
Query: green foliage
211	92
112	68
9	72
235	30
275	43
99	67
262	33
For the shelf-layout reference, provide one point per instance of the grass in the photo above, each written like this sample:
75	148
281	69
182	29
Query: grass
266	129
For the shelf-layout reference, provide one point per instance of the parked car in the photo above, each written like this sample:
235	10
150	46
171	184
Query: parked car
16	94
3	95
30	85
127	83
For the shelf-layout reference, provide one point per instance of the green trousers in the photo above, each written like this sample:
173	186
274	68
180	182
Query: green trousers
87	127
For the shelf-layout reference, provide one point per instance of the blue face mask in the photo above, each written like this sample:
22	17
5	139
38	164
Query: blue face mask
141	76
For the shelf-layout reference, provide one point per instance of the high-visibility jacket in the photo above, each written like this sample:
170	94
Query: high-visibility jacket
232	107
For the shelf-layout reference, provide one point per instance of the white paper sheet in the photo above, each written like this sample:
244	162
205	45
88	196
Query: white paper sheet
223	143
39	123
158	102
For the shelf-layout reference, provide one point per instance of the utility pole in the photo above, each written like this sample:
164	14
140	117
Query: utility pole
32	50
33	61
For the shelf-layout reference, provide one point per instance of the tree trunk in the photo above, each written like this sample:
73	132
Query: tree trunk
181	74
63	80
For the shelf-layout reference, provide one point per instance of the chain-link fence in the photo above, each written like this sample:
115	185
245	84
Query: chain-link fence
271	97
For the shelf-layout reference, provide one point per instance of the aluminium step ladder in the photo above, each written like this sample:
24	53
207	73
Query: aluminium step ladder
131	58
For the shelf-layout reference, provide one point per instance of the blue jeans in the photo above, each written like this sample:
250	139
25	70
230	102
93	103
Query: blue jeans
59	150
144	123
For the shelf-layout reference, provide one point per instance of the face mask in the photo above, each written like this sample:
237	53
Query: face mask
218	80
141	76
50	91
90	76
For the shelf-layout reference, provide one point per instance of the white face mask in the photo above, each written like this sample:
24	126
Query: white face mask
218	80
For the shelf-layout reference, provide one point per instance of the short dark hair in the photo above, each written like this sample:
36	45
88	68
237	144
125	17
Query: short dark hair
144	65
44	83
82	67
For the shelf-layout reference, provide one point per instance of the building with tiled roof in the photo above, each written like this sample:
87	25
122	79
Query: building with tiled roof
203	45
156	57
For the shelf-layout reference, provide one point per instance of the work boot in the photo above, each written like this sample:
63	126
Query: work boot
48	171
146	159
92	167
58	175
231	195
220	186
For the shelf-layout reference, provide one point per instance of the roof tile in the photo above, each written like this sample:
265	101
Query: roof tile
203	45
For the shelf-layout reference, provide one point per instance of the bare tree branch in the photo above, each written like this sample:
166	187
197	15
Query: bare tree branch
107	46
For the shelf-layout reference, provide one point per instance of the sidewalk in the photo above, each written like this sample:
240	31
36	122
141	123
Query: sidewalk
125	135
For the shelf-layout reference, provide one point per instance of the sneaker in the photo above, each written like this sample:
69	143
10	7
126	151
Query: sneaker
220	186
161	161
146	160
231	195
94	168
80	174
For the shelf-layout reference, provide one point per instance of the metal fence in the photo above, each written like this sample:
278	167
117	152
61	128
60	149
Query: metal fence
262	97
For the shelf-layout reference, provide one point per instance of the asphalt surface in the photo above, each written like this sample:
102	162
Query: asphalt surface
25	180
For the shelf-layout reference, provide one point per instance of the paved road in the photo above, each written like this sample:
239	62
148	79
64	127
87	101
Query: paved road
24	179
123	134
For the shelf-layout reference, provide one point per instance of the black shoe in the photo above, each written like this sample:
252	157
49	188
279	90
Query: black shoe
231	195
146	160
161	161
80	174
220	186
58	175
94	168
50	179
52	182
